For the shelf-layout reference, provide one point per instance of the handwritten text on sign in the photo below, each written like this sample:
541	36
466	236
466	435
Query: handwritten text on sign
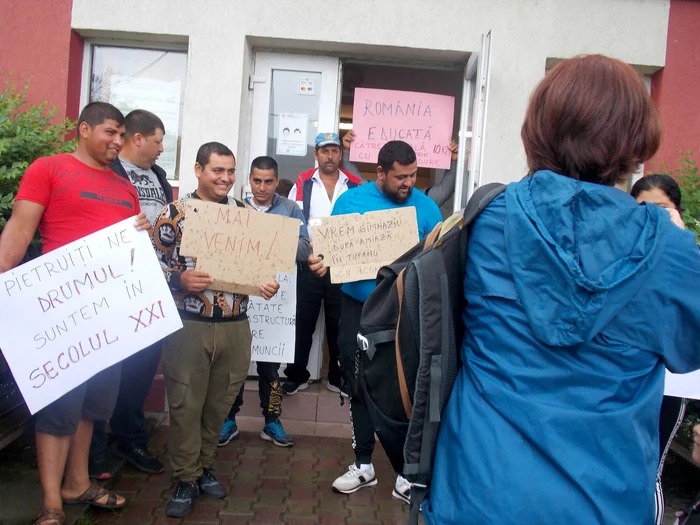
355	246
82	308
272	323
239	247
423	120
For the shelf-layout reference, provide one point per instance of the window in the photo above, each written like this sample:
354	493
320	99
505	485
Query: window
151	79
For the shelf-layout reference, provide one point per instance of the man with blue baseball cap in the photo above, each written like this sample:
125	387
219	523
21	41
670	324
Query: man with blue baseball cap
316	191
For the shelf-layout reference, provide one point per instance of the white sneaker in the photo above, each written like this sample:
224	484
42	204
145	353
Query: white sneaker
336	389
402	490
355	479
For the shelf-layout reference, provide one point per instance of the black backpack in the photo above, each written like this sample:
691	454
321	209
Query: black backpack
409	344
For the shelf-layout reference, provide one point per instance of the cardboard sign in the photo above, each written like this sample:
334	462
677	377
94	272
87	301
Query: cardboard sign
273	322
355	246
421	119
82	308
239	247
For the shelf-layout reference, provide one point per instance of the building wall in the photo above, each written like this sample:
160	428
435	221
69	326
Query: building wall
676	88
221	33
36	43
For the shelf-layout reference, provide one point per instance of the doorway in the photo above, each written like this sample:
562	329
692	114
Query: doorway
297	96
400	78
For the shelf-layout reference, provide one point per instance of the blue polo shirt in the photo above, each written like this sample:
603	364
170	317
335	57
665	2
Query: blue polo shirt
369	198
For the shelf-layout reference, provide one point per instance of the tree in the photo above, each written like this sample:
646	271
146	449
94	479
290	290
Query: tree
27	132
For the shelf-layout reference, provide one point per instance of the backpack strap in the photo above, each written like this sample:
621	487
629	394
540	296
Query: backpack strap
481	198
432	236
478	202
368	343
403	385
421	471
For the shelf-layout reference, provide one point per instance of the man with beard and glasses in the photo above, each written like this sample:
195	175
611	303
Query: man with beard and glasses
316	192
393	188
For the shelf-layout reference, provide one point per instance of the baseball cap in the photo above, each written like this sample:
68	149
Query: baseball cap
326	139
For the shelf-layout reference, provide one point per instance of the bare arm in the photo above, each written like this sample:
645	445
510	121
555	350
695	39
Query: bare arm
18	233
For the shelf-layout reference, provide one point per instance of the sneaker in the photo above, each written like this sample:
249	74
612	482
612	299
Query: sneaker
100	467
275	432
209	486
290	387
229	432
355	479
139	458
335	388
402	490
182	500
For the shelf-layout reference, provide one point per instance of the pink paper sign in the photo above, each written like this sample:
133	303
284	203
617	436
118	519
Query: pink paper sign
423	120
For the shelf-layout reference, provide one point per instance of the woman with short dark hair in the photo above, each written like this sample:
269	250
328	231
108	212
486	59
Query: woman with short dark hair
577	299
663	191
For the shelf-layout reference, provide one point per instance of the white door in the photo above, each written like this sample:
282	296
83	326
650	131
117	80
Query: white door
295	97
472	124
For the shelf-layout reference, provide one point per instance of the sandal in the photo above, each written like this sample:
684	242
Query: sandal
47	515
94	493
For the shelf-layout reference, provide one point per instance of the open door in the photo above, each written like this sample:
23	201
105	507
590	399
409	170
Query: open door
294	98
472	124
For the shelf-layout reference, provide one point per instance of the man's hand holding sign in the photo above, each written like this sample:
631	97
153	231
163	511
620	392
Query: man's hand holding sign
237	248
356	245
82	308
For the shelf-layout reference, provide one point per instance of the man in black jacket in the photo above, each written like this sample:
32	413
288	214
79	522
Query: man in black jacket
137	163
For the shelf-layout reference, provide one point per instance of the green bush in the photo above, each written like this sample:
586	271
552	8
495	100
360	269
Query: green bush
27	132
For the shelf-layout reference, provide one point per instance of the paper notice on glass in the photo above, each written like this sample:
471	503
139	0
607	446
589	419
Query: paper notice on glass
291	134
307	86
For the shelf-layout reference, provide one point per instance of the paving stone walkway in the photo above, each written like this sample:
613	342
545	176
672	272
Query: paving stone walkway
267	485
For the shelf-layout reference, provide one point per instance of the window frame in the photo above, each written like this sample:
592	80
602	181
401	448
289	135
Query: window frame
147	45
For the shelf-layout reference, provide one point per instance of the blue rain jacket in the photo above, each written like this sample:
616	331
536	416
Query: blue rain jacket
578	298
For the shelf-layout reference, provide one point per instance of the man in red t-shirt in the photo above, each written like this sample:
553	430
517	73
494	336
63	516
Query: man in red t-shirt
67	197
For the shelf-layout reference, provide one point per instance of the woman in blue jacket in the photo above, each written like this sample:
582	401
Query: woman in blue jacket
578	298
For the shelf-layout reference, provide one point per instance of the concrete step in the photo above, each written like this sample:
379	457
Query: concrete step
315	411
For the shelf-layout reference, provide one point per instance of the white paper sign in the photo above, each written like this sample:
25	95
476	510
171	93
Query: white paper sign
272	322
307	86
683	385
291	135
82	308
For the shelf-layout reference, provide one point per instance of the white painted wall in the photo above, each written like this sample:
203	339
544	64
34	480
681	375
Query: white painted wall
525	33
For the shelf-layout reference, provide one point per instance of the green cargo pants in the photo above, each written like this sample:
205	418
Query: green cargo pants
204	365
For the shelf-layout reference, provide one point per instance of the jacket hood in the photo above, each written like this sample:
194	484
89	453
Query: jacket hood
578	253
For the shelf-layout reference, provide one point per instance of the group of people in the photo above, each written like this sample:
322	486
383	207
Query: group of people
206	363
578	297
